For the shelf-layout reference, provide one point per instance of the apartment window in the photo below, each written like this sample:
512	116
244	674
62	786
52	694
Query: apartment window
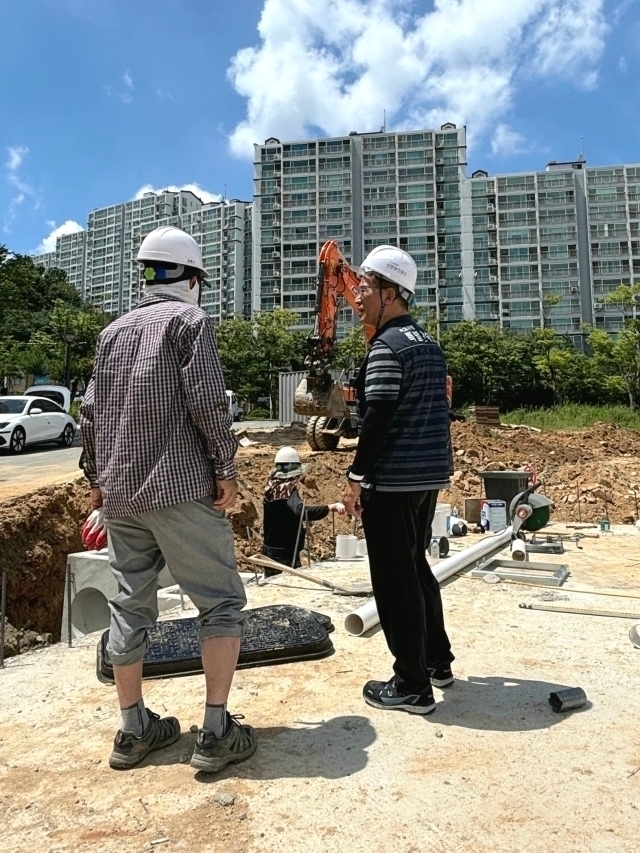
517	254
452	223
409	157
416	190
411	173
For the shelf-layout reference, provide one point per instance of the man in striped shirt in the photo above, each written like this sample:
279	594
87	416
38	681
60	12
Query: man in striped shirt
402	460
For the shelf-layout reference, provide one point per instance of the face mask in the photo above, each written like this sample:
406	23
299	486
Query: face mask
179	289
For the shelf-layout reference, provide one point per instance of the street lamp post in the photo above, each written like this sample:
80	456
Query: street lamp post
69	338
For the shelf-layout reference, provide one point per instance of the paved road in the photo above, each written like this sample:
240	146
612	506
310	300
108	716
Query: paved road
45	464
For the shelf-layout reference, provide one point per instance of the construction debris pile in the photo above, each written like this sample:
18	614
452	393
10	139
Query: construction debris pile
589	474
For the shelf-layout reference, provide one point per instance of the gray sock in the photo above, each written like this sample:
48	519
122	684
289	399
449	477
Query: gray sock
135	718
215	719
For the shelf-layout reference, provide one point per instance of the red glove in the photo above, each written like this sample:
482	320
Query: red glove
94	531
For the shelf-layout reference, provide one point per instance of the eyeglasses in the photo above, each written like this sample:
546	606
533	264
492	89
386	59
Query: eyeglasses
363	289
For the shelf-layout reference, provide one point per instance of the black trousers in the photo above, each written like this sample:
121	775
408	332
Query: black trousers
397	527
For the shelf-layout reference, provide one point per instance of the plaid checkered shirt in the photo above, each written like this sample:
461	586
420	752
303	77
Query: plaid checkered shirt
155	420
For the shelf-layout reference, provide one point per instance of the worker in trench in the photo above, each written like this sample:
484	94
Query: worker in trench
402	460
285	514
159	455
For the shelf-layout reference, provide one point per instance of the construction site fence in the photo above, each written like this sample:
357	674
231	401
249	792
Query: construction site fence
287	384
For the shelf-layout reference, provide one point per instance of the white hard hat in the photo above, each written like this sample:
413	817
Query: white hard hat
287	454
171	245
287	464
393	265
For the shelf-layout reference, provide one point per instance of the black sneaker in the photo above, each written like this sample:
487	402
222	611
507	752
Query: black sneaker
385	695
212	754
129	750
441	675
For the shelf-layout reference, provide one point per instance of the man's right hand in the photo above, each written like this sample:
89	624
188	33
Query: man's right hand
226	493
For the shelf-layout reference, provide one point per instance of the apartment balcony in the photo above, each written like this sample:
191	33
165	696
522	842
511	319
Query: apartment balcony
326	181
381	180
299	170
333	167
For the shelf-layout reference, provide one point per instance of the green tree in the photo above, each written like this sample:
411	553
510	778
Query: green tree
239	358
37	307
619	357
278	348
491	367
253	352
350	352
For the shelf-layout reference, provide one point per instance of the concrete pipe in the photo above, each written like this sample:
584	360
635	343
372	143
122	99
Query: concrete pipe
366	617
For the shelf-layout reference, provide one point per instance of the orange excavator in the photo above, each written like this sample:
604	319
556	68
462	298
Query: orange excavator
331	404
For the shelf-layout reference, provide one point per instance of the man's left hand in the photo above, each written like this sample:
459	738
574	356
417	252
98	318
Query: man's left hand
226	493
351	498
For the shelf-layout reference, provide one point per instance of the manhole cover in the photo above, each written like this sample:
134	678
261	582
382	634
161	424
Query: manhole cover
277	634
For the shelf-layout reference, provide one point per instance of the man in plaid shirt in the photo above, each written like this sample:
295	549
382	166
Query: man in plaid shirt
158	453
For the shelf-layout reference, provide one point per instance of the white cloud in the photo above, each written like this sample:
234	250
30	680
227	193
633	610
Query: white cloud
623	65
506	141
164	95
49	242
16	156
335	65
203	195
127	95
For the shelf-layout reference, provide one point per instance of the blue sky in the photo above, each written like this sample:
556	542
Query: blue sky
100	99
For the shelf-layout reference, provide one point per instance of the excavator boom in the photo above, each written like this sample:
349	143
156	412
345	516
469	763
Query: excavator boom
318	395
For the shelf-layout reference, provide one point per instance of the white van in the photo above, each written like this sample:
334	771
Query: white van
234	407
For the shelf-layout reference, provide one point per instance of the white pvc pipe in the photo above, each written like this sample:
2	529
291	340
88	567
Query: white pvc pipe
366	617
518	550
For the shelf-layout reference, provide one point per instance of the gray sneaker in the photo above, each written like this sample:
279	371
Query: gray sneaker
212	754
129	750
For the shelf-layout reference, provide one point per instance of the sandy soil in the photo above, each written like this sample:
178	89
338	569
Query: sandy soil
493	769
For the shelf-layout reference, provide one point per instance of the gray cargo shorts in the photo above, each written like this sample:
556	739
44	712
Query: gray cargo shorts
196	542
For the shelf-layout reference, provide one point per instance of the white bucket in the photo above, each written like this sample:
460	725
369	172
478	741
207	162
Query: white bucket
362	548
346	547
439	527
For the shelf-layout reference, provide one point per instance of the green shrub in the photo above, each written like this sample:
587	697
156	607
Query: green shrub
258	415
574	416
74	411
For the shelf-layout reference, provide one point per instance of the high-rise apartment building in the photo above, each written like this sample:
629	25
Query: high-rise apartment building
115	233
549	245
362	190
523	250
69	256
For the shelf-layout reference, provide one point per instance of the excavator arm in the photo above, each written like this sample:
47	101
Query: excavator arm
336	279
318	395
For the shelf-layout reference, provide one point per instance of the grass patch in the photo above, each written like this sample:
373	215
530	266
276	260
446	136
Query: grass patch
573	416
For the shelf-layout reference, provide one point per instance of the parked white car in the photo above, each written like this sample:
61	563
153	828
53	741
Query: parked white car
32	420
58	393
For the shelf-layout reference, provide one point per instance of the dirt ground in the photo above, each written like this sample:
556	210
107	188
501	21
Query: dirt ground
493	769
